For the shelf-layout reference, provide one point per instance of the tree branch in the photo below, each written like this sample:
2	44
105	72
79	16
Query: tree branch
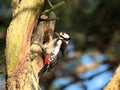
114	83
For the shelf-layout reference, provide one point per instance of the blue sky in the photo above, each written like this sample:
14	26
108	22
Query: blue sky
96	83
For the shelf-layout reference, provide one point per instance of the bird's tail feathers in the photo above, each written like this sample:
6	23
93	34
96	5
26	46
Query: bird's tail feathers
42	71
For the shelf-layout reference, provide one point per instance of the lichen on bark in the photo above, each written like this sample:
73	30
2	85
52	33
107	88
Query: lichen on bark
18	43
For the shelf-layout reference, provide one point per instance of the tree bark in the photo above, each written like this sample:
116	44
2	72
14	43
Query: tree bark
114	83
25	13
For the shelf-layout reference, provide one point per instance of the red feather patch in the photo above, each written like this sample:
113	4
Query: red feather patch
47	59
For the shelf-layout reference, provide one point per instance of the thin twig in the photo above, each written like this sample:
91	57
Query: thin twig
53	7
49	3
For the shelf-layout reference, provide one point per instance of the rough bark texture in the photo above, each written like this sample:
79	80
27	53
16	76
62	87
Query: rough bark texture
114	83
45	28
25	13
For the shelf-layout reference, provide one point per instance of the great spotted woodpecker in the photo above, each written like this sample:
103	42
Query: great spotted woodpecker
54	52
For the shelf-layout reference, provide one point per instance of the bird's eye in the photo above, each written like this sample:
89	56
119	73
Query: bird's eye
66	39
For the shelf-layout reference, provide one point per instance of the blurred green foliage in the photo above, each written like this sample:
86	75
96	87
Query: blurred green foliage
92	24
5	14
5	17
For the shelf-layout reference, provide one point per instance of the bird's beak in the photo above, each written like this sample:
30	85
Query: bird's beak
57	34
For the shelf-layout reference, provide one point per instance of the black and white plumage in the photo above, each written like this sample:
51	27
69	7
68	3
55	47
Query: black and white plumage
54	52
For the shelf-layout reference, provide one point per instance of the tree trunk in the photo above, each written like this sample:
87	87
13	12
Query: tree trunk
114	83
18	73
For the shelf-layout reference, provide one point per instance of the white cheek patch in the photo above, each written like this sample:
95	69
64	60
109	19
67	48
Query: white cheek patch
66	36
